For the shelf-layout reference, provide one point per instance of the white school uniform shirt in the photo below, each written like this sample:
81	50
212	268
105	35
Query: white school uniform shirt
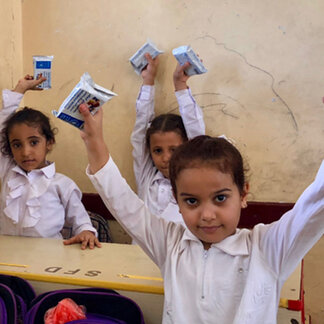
38	203
236	281
152	186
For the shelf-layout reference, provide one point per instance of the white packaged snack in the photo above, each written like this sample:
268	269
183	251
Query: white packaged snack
139	61
185	54
43	67
86	91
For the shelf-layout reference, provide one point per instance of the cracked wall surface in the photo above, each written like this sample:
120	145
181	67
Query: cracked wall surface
263	89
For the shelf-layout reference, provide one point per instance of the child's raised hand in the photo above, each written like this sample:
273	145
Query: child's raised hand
180	77
92	135
92	129
86	238
28	83
149	72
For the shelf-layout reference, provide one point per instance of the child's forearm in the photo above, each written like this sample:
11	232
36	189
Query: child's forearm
98	155
92	135
28	83
180	78
19	88
180	85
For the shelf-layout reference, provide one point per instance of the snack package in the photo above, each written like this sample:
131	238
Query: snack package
43	67
185	54
139	61
86	91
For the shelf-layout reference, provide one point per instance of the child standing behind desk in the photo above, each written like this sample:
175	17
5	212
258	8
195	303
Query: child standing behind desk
35	200
213	272
155	139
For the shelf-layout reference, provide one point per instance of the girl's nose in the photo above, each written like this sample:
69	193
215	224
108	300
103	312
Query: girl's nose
25	150
166	157
208	212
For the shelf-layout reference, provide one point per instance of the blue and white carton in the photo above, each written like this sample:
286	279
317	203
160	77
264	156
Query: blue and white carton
86	91
139	61
185	54
43	67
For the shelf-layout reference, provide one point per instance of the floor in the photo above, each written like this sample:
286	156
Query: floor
314	283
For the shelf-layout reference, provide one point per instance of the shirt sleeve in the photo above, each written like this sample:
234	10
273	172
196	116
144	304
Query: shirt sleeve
143	164
75	212
10	102
286	241
191	113
149	231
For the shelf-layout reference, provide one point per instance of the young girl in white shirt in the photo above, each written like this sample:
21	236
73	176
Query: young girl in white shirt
35	200
213	272
154	139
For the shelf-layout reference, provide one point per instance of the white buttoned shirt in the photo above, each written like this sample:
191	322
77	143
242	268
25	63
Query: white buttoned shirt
40	202
236	281
152	186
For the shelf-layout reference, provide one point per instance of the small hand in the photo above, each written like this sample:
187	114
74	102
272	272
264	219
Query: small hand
180	78
92	124
149	72
28	83
86	238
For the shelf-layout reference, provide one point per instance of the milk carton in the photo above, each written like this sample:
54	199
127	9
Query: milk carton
86	91
139	61
185	54
43	67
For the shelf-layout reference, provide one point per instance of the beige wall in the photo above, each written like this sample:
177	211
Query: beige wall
264	86
10	43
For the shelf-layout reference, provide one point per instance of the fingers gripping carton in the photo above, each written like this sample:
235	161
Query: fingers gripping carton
139	61
185	54
86	91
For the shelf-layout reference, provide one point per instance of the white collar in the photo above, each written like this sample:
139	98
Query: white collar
48	170
236	244
158	176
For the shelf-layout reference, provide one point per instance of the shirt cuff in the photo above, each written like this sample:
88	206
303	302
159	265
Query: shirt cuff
146	92
104	169
185	97
11	96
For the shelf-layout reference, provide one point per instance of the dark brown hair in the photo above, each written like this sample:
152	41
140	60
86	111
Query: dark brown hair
208	151
166	123
30	117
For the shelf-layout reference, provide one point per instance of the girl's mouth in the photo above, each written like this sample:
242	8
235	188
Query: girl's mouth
210	229
27	162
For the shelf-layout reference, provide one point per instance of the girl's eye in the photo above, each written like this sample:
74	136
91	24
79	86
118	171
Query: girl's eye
15	145
157	151
191	201
220	198
34	142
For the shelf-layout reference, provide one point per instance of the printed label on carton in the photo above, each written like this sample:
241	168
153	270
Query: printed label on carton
86	91
43	67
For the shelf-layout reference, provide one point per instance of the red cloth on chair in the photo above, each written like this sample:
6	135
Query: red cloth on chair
65	311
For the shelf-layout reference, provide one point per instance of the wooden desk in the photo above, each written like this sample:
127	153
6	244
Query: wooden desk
115	266
50	265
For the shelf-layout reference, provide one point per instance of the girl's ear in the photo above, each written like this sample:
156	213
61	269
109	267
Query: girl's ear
244	195
49	145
